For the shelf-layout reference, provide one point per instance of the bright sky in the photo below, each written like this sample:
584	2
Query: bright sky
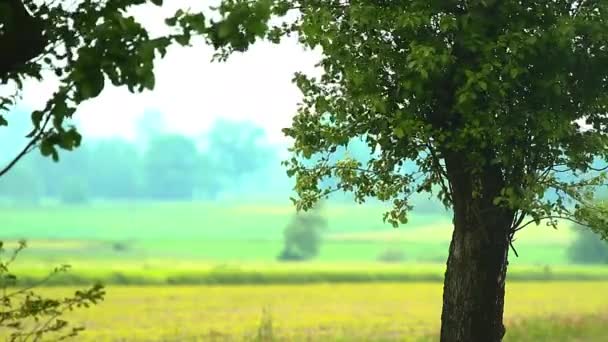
192	92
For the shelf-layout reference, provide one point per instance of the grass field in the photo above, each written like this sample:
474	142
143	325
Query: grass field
172	272
225	232
204	249
557	311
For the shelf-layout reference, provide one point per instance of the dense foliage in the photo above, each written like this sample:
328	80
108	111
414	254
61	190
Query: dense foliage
303	236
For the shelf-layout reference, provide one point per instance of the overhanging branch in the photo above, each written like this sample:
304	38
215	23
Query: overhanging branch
30	146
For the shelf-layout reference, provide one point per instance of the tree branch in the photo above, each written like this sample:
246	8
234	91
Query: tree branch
27	149
551	217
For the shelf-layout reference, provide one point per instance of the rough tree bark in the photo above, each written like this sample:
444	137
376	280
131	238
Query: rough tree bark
474	287
21	37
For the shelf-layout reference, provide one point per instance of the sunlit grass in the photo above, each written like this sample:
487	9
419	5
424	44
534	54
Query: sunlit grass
172	272
231	232
321	312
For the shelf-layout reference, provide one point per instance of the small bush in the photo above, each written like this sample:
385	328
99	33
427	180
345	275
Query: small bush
121	247
588	248
392	255
75	191
303	236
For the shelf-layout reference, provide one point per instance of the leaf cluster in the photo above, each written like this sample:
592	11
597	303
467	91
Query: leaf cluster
28	316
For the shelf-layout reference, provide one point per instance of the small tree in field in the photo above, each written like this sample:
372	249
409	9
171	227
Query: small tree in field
303	236
588	248
501	105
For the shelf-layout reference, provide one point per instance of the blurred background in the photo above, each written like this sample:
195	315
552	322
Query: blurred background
184	186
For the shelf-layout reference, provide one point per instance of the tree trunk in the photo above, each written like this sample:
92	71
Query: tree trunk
474	286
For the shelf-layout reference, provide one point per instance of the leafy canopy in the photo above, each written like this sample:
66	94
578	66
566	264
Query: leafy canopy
514	86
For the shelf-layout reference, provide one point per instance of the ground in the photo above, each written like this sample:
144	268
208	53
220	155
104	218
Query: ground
556	311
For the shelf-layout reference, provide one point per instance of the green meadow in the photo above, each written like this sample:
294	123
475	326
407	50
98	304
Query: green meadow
242	232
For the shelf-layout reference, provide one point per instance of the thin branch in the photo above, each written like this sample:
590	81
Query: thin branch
513	247
551	217
27	149
447	188
517	220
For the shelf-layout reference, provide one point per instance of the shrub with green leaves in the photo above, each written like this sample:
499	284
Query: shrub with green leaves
28	316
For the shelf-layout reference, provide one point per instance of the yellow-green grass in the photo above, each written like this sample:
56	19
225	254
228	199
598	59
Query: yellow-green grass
191	220
231	232
143	220
231	251
322	312
171	272
441	231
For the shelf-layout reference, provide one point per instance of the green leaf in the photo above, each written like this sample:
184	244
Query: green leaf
47	149
90	84
149	81
37	117
399	132
483	85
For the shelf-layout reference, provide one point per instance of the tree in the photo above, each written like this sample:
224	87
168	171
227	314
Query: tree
170	167
23	185
588	248
74	190
303	236
492	100
117	166
149	125
235	149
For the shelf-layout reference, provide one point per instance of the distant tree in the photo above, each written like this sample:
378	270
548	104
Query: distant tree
235	149
392	254
22	185
302	236
75	190
151	124
170	167
588	248
117	169
210	181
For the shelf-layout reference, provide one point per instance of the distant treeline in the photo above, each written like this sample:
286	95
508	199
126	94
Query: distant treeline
158	166
232	157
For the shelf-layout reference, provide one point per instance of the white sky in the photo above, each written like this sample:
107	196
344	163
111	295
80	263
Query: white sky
191	92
